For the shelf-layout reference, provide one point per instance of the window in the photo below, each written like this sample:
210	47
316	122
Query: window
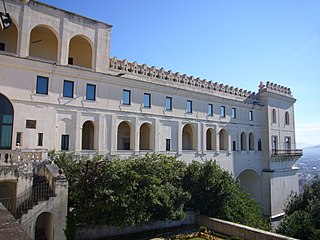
287	143
169	103
65	142
259	145
42	85
250	116
274	116
234	113
2	46
68	89
189	106
91	92
31	124
210	109
70	60
168	144
222	111
147	100
274	143
19	139
287	120
126	97
40	139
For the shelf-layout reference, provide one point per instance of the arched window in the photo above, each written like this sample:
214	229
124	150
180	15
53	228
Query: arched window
43	43
251	141
145	137
188	138
80	52
274	116
243	142
88	136
124	136
211	139
223	140
287	118
9	39
6	123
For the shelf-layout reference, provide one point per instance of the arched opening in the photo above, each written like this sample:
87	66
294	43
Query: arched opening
250	181
251	141
124	136
6	123
259	144
211	139
43	43
44	227
8	195
9	39
223	140
145	142
243	142
287	119
274	116
88	136
188	138
80	52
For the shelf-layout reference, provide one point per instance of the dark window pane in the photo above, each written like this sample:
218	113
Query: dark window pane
126	97
210	109
2	46
40	139
68	89
189	106
91	92
31	124
70	60
65	142
147	100
42	85
168	103
168	145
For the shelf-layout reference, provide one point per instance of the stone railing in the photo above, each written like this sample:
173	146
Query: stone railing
177	78
275	88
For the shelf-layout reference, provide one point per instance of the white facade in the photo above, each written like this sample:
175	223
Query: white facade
67	94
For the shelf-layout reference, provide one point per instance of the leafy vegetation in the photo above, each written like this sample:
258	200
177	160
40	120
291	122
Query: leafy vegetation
302	214
155	187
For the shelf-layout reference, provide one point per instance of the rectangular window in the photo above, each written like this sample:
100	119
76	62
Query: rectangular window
234	146
250	116
233	113
147	100
19	139
31	124
68	89
42	85
91	92
40	139
70	60
169	103
65	142
126	97
2	46
168	144
222	111
287	143
210	109
189	106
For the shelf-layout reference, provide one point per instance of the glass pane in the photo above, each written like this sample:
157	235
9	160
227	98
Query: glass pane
147	98
6	136
168	103
42	85
91	92
126	97
7	119
68	89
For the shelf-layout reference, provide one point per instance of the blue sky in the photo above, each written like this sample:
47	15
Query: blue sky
234	42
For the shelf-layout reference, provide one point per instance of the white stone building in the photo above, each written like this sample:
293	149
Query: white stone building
68	94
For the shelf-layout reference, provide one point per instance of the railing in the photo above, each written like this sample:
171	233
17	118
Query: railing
13	157
41	191
287	152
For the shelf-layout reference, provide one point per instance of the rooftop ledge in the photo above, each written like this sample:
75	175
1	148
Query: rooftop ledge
153	72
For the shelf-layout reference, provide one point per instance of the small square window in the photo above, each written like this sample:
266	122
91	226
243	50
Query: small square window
222	111
250	116
40	139
2	46
210	109
234	113
42	85
32	124
91	92
126	97
189	106
169	103
68	89
70	60
147	100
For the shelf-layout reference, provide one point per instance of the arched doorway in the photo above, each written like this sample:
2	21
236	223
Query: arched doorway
43	43
210	139
6	123
80	52
251	141
250	181
44	227
188	138
223	140
124	136
88	136
243	142
9	39
145	140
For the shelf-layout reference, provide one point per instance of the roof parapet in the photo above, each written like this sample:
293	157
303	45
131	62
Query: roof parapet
153	72
273	87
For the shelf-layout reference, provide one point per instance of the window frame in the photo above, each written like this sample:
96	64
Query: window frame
168	144
233	113
250	115
124	91
168	101
148	100
223	111
64	89
40	140
63	136
210	109
89	85
189	106
39	89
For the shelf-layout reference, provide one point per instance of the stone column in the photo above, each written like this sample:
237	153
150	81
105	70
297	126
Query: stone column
179	138
156	138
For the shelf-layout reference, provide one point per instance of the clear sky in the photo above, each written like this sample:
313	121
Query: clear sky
234	42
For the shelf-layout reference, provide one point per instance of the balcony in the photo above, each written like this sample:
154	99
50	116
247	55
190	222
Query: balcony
286	154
